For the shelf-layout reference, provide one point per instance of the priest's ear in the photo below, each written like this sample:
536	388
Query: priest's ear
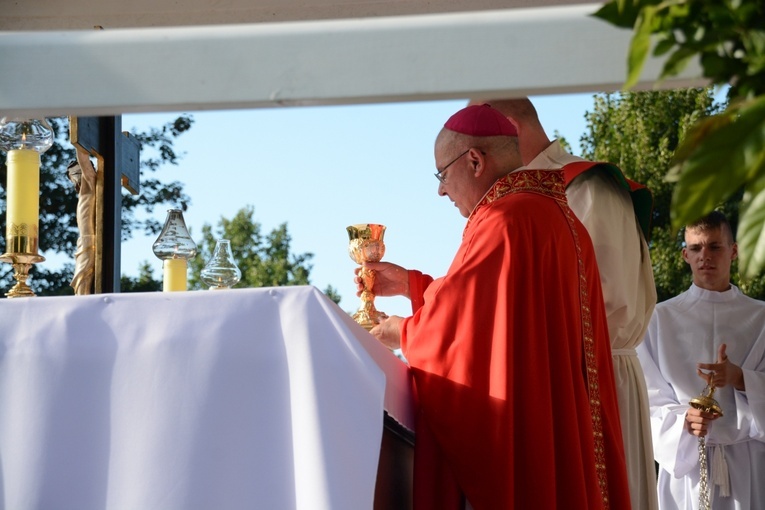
477	161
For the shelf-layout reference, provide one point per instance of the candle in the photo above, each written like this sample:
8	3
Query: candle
174	275
23	197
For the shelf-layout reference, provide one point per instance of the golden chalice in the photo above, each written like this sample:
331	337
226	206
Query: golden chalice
366	245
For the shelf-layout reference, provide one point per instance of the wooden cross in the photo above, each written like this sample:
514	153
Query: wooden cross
118	164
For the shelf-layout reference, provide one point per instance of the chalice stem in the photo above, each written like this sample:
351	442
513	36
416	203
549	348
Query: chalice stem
368	278
367	315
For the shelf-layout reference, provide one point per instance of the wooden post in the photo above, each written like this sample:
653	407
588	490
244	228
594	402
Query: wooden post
118	164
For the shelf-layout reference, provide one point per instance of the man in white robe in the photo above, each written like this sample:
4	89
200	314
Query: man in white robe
626	275
714	334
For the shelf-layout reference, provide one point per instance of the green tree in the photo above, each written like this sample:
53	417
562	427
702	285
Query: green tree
640	132
265	260
723	153
58	200
144	282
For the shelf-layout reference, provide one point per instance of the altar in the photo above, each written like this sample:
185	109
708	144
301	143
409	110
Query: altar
250	398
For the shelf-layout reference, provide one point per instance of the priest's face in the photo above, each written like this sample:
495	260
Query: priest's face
710	252
458	176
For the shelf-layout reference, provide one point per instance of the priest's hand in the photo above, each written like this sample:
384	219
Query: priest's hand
723	372
698	422
390	279
388	332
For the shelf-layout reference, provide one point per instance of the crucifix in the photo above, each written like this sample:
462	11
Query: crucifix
99	209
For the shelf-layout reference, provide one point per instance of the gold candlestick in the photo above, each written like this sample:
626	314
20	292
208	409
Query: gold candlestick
21	251
23	140
366	245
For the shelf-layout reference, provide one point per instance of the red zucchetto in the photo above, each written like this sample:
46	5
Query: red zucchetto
480	120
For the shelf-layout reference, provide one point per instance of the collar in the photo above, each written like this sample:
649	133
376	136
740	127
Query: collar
554	156
542	182
713	295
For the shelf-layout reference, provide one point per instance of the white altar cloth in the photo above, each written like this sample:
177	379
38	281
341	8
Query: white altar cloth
253	398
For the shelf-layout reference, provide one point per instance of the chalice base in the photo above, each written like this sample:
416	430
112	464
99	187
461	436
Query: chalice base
369	318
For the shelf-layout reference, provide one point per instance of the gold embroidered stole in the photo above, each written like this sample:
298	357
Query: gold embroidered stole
550	183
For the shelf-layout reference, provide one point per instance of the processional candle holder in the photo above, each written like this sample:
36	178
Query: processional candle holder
23	140
366	245
705	402
221	271
174	247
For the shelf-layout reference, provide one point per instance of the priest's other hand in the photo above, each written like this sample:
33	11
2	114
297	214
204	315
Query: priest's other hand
723	372
697	422
390	279
388	332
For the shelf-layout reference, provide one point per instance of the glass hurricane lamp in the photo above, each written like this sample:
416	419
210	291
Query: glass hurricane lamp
174	247
221	271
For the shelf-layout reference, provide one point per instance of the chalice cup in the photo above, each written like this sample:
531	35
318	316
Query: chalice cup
366	245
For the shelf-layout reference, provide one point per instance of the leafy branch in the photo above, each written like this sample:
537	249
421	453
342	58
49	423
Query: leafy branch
724	153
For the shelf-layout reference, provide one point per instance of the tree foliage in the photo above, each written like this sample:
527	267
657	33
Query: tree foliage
58	201
640	132
264	259
723	153
144	282
157	150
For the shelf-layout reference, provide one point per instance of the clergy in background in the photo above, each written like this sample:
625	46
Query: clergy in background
710	334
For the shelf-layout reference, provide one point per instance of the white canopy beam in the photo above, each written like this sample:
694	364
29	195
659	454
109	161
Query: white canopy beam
86	14
404	58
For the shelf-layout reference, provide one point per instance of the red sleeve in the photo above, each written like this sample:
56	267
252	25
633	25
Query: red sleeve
418	282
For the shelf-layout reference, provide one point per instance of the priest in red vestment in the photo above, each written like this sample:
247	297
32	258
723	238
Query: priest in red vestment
509	350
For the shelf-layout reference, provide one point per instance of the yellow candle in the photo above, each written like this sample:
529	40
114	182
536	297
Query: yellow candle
23	197
174	275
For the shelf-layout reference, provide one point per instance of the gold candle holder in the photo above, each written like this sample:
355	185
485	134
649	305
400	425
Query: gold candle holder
23	140
21	253
366	245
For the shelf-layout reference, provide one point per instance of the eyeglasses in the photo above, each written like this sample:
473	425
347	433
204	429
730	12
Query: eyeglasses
440	174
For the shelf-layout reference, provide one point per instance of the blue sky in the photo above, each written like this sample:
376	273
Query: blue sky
320	169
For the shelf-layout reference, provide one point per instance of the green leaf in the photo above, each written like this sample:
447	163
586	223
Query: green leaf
716	66
620	13
677	62
663	46
694	138
641	43
751	230
716	159
752	119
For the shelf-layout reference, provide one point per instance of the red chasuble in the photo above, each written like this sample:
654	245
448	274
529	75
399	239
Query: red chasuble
512	363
